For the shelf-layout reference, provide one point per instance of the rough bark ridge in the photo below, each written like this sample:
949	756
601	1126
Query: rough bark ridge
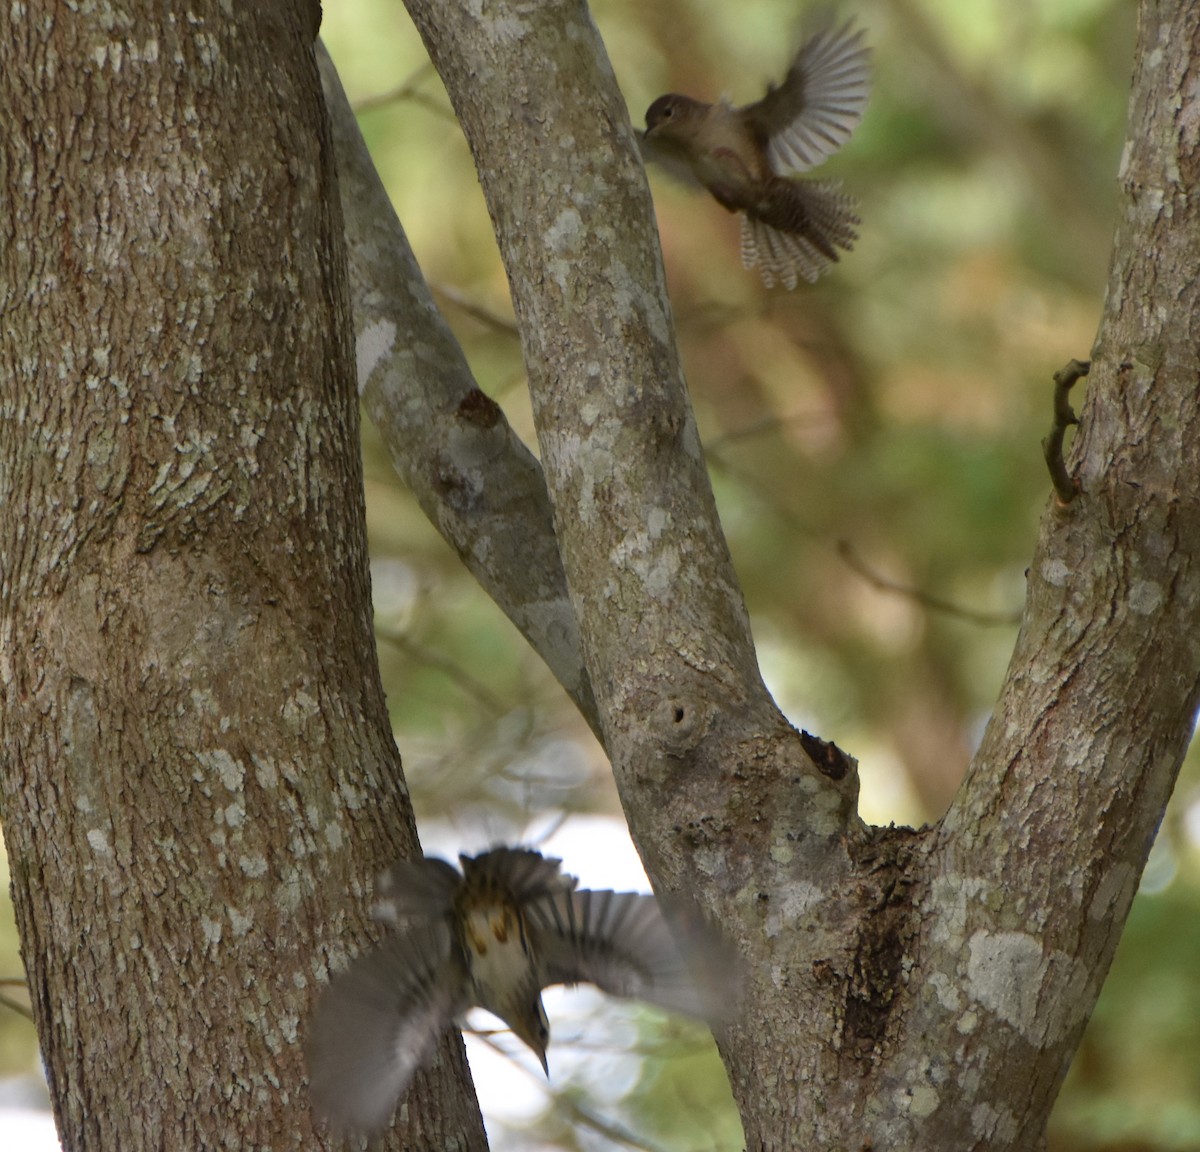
906	990
196	763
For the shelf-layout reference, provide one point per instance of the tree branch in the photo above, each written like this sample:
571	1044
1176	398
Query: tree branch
478	484
1015	901
1039	856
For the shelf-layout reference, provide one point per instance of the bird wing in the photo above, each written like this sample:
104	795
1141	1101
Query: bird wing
378	1022
818	105
521	873
419	889
618	941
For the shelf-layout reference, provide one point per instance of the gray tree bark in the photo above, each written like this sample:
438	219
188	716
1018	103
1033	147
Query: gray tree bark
195	758
905	989
196	764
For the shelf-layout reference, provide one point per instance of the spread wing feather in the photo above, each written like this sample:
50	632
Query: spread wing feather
378	1022
618	941
419	889
819	104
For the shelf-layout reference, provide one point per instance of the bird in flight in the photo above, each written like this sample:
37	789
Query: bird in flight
493	935
748	156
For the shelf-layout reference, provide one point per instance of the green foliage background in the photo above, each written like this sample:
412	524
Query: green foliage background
875	449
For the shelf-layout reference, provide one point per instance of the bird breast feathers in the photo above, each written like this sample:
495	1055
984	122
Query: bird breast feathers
497	946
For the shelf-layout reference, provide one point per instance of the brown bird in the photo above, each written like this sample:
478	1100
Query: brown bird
745	156
494	935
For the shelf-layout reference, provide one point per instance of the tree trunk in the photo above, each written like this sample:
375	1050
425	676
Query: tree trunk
198	775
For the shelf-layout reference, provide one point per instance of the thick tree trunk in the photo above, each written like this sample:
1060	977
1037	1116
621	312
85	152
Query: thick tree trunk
196	763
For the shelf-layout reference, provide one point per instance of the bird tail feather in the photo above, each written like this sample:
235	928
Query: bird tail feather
797	229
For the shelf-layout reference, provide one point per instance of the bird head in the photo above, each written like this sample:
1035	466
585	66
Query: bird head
524	1014
673	115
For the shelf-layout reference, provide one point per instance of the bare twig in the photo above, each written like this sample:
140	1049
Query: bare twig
477	311
919	596
764	427
7	1001
457	675
1064	417
407	90
478	484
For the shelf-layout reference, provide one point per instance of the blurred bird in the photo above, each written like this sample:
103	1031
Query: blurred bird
745	156
494	936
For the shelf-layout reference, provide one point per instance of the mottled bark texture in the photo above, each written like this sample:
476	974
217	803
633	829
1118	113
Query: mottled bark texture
904	990
195	759
478	484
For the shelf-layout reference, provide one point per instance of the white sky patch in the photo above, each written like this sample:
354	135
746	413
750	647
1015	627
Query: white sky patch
30	1131
599	851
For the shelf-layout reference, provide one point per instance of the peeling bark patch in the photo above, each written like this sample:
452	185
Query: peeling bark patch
794	903
1056	573
824	815
264	773
299	709
230	771
253	865
211	930
924	1100
1145	597
946	991
239	922
372	347
952	895
996	1125
782	852
1004	974
1037	993
511	28
563	239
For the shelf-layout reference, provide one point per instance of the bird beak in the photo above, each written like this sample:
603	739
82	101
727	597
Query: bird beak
535	1041
535	1046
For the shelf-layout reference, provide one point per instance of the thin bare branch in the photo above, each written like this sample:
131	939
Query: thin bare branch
919	596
